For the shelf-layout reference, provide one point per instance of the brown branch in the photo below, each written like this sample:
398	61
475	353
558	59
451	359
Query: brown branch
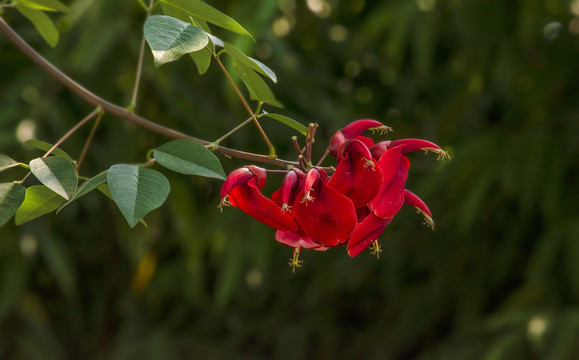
122	113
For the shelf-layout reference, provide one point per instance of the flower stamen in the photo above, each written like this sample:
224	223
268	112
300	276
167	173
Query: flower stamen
381	130
375	249
369	162
441	153
427	218
294	261
307	197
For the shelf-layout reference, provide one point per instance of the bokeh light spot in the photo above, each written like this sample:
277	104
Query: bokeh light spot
26	130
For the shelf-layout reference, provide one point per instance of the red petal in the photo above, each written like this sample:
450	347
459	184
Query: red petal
260	173
253	203
414	145
285	196
390	196
357	175
295	240
237	177
359	126
365	233
326	215
413	200
336	142
379	149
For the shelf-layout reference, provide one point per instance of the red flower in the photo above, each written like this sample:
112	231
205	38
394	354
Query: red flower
357	175
353	206
241	189
285	197
327	216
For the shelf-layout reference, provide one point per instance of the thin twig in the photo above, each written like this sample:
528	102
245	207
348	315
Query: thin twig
72	131
119	112
247	121
89	139
133	102
245	104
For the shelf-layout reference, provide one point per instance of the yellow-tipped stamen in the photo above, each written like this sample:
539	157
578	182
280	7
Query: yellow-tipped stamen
222	203
441	153
307	197
286	207
375	249
427	218
294	261
381	130
369	162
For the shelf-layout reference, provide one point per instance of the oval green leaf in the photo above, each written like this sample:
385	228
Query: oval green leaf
250	62
7	163
44	146
11	197
57	173
288	121
258	89
197	8
171	38
41	22
190	158
39	200
136	190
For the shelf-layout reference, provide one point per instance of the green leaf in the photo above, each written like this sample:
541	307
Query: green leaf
44	146
182	15
250	62
41	22
258	89
86	187
189	157
136	190
202	60
46	5
7	163
208	13
288	121
11	197
39	200
171	38
57	173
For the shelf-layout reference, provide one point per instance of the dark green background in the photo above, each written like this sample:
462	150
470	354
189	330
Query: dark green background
495	82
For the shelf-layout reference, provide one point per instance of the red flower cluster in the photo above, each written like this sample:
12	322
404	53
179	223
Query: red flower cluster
353	206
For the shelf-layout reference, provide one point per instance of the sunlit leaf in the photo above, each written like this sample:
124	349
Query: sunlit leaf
250	62
11	197
44	146
57	173
171	38
209	14
258	89
42	23
6	162
189	157
87	187
136	190
45	5
39	200
288	121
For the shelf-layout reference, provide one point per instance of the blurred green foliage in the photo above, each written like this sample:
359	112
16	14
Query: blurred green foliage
494	82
